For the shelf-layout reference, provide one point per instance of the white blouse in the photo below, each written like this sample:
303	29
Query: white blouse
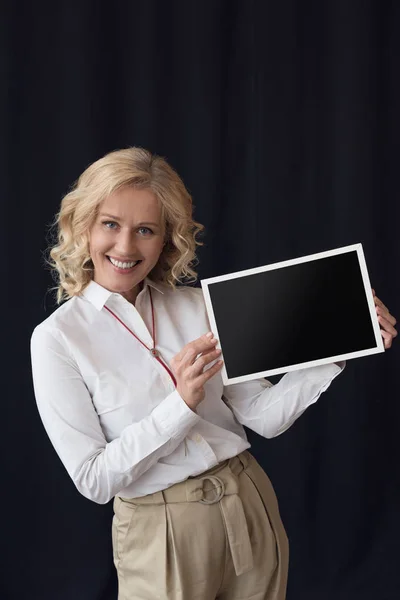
112	412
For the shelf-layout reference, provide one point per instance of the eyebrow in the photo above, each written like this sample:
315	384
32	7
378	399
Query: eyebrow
119	218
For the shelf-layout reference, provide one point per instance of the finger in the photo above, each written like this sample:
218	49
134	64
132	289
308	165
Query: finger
204	377
386	314
196	347
387	338
386	326
205	353
194	352
379	302
204	360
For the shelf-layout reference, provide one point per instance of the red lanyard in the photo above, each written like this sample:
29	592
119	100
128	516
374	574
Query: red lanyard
152	350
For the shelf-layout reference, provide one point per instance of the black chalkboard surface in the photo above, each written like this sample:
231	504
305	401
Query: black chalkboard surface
295	314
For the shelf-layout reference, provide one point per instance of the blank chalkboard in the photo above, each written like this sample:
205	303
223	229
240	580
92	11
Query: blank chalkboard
295	314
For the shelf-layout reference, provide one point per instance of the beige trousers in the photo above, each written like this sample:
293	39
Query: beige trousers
218	535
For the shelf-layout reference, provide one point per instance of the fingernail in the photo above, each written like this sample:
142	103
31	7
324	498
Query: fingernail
210	334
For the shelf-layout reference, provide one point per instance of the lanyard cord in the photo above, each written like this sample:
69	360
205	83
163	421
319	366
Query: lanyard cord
153	350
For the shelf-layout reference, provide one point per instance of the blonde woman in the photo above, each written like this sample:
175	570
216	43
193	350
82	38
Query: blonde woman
127	383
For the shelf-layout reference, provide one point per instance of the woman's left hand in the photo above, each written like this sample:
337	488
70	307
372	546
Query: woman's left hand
386	321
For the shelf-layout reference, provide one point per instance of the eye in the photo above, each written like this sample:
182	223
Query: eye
145	230
109	224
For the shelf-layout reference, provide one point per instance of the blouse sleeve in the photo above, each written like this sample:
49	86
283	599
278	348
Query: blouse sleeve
99	469
269	409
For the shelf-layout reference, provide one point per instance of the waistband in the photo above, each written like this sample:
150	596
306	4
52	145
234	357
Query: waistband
218	484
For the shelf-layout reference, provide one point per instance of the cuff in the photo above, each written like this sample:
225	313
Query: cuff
174	416
341	364
328	371
325	373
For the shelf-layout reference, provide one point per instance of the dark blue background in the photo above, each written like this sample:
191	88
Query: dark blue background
283	118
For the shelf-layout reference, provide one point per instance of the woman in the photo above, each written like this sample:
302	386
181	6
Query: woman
128	386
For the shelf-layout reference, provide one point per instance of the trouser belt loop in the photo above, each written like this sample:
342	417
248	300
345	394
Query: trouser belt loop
243	457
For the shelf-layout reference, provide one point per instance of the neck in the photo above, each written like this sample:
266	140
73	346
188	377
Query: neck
132	294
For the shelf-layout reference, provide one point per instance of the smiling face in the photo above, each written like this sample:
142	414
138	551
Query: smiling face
126	240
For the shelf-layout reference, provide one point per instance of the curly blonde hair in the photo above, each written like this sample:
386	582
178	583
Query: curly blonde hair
70	259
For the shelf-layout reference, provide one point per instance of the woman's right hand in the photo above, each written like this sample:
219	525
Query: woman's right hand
189	371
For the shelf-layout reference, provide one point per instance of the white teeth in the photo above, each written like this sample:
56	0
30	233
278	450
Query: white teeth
123	265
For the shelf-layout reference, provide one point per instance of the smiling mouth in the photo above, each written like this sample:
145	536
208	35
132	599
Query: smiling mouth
125	266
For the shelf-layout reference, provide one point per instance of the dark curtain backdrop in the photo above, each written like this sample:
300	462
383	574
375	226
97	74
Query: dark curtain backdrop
282	117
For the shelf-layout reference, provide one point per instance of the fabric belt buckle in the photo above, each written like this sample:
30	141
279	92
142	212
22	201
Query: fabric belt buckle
220	493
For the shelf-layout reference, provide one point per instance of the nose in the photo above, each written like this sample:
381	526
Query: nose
126	245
